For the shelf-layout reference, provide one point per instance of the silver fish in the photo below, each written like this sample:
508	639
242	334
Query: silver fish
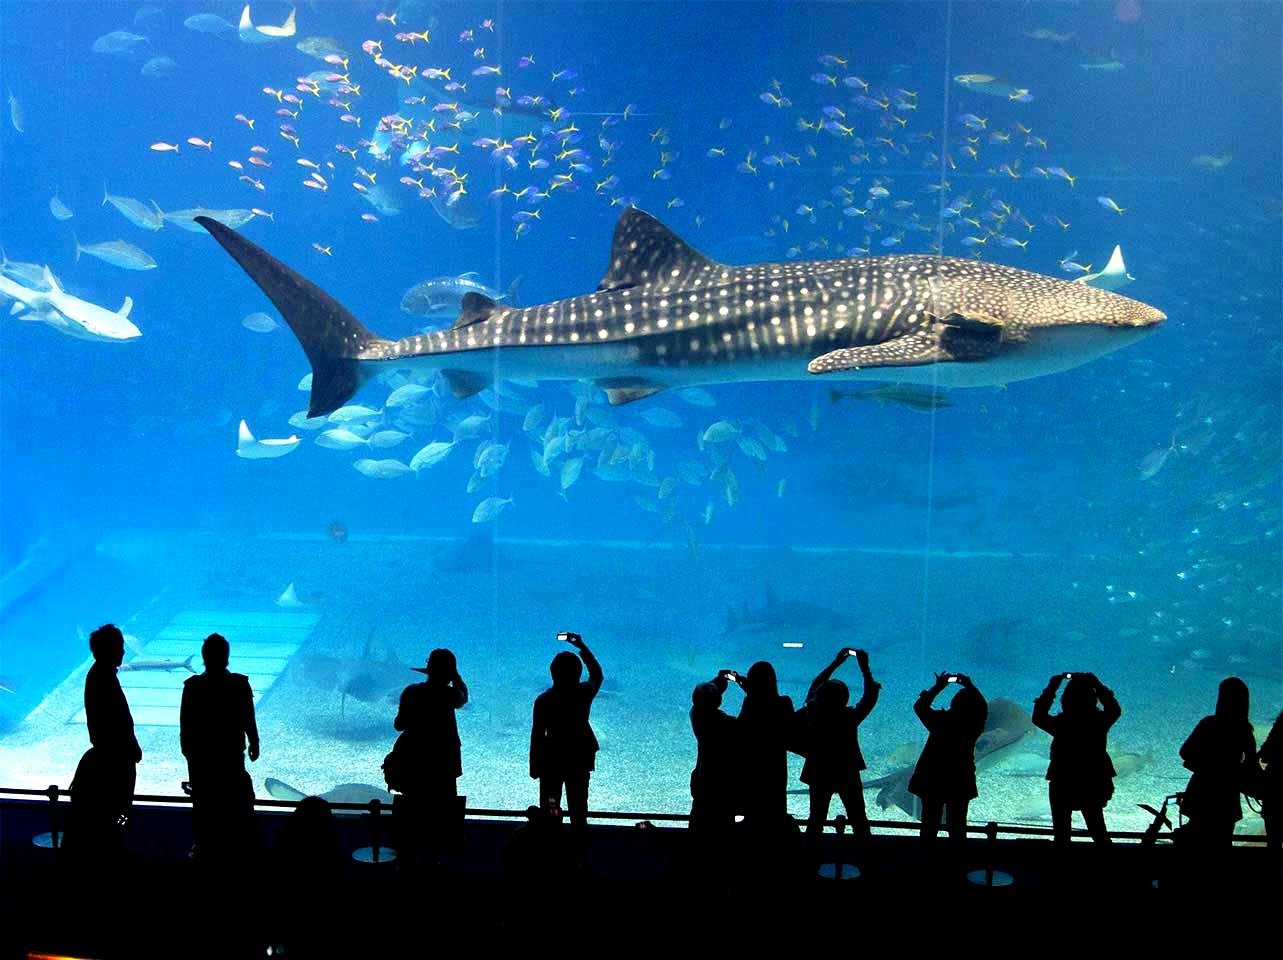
119	253
135	211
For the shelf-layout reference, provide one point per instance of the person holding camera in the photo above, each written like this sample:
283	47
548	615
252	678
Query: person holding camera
945	776
1080	775
833	757
714	777
764	721
563	747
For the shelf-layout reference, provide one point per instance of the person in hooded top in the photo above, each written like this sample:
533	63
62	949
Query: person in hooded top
1220	754
563	747
945	776
1080	775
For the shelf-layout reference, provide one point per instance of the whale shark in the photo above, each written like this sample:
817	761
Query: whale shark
665	316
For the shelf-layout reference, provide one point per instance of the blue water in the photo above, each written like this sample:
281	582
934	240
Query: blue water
1027	506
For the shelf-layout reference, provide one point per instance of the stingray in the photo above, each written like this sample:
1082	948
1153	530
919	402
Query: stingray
1006	724
363	678
342	793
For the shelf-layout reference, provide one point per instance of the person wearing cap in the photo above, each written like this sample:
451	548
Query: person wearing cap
426	761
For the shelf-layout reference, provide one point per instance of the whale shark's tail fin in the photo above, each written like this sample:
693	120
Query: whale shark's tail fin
330	336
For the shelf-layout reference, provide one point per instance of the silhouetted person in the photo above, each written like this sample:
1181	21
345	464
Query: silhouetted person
945	776
1080	775
1271	786
1219	754
563	747
716	767
216	720
427	757
834	761
103	786
764	721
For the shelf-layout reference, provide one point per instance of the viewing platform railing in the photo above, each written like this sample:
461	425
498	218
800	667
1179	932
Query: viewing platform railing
991	830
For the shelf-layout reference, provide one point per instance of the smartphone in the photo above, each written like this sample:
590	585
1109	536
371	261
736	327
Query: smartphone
728	674
563	636
952	678
851	651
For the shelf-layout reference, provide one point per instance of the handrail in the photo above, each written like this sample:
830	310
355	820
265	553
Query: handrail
983	829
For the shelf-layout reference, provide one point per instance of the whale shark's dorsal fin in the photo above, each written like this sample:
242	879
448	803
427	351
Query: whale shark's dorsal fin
474	308
644	250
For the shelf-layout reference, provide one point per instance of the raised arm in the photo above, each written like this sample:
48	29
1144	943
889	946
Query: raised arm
824	675
595	675
1109	703
1041	717
460	691
922	706
869	698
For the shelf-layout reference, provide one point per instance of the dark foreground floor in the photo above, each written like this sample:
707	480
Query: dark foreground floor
631	889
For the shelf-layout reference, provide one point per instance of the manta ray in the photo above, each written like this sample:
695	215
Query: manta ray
665	315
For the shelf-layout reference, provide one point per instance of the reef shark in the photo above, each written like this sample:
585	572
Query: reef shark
667	316
69	314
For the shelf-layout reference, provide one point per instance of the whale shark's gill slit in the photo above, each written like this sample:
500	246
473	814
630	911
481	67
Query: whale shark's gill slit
330	336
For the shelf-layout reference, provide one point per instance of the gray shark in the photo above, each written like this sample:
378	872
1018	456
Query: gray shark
667	316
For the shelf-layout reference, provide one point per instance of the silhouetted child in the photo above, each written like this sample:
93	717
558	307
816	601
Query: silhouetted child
309	862
1271	786
833	759
714	777
425	763
1219	754
540	852
1080	775
563	747
945	776
102	790
216	721
764	721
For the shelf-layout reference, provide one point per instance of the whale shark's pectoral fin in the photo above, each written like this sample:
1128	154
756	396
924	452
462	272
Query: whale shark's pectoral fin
626	389
956	340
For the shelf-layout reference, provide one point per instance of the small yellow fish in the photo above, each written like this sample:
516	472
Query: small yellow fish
328	251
